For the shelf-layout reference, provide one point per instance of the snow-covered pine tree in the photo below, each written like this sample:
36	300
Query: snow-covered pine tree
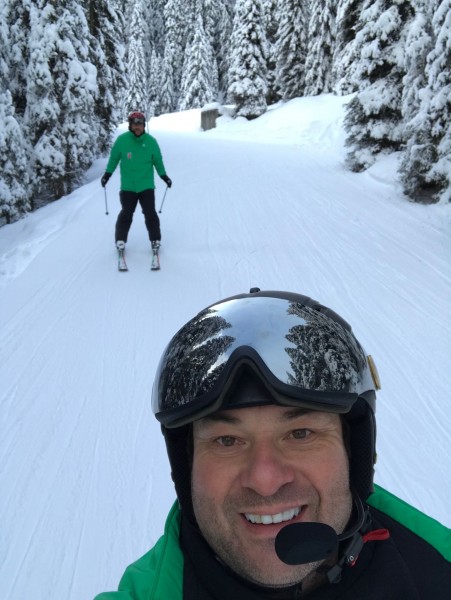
16	16
248	71
417	47
221	45
155	70
439	83
176	36
426	168
271	16
137	96
196	88
154	14
211	14
211	11
75	81
291	48
5	45
167	94
42	114
14	178
230	5
420	151
348	13
321	47
106	25
61	89
155	25
146	29
373	120
120	5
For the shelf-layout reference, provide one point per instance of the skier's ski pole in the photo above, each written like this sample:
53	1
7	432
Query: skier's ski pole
106	202
162	202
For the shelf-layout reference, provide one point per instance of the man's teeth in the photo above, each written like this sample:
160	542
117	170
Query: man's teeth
268	519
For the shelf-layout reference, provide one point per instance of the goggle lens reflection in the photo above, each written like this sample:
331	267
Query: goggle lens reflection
300	347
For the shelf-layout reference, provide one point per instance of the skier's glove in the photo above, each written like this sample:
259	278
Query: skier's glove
105	178
167	180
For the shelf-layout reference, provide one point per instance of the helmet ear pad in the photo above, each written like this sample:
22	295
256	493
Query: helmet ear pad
179	445
361	425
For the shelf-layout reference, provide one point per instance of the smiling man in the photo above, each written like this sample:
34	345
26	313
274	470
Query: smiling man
267	405
272	466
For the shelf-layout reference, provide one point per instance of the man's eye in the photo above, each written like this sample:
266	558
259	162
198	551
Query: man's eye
226	440
300	434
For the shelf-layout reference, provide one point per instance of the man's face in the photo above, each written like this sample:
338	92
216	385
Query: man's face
258	469
137	128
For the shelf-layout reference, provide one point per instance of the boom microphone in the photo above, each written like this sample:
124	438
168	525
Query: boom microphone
301	543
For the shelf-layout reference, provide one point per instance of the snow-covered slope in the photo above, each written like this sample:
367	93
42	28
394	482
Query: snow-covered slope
84	476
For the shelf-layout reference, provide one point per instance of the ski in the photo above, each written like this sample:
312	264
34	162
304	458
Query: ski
155	266
121	264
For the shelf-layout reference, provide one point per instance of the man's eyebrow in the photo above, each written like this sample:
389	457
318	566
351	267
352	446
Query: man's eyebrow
219	417
294	413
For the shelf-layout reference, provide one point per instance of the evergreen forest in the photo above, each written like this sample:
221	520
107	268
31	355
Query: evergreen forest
72	70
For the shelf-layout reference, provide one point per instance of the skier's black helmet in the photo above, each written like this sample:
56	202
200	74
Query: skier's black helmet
301	352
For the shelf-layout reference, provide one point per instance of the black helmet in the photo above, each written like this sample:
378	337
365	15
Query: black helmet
303	353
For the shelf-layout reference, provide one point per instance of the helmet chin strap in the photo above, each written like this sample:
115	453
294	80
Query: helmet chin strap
301	543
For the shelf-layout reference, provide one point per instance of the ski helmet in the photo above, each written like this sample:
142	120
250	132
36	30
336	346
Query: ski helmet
301	352
136	117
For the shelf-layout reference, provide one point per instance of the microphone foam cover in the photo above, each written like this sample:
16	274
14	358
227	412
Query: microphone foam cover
301	543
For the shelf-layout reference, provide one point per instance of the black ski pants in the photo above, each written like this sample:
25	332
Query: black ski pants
129	201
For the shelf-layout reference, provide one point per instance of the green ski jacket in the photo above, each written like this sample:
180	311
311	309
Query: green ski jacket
138	157
158	575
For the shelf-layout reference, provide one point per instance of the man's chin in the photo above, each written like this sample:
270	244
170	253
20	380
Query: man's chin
271	572
280	578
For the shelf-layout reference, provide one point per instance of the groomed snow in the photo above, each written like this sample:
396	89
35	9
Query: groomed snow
83	472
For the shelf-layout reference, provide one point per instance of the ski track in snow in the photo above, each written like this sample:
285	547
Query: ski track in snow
84	474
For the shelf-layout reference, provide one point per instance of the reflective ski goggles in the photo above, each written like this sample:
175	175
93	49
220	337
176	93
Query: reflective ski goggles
137	121
305	354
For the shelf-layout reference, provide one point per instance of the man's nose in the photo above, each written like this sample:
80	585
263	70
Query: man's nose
266	469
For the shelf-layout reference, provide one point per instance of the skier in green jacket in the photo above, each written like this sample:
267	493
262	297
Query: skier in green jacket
267	404
138	154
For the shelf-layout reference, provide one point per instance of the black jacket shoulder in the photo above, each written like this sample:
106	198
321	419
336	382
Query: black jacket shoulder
428	570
